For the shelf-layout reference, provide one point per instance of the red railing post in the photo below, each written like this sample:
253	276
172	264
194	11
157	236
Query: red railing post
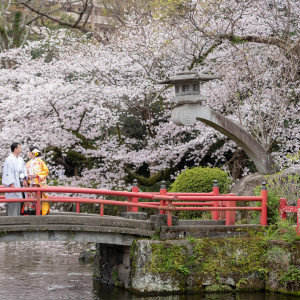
230	214
282	205
77	207
101	210
215	214
222	214
38	203
169	213
135	189
298	217
264	201
163	191
129	199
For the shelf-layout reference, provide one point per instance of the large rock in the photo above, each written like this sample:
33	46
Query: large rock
246	185
202	265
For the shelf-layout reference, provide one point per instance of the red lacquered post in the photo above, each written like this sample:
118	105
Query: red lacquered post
78	208
169	213
298	217
222	214
230	215
282	205
129	199
215	214
101	210
163	191
38	203
264	214
135	189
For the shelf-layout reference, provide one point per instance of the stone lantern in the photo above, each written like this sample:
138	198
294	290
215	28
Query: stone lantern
187	86
189	109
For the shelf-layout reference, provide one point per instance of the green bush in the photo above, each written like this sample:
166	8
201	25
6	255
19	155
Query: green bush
199	180
279	186
283	230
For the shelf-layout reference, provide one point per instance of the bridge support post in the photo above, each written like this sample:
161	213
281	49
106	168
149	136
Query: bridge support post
112	264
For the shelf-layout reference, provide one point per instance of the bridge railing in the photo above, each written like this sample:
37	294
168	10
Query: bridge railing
222	206
165	202
284	208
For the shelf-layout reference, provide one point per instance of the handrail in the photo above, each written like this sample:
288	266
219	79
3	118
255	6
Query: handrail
163	201
76	190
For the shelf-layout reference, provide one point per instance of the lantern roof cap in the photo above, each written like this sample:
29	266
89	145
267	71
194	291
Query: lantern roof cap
188	76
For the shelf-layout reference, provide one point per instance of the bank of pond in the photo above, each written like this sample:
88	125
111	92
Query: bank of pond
201	266
210	268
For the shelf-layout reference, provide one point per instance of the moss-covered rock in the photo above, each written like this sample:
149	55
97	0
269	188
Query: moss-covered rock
156	269
284	274
218	288
197	264
214	265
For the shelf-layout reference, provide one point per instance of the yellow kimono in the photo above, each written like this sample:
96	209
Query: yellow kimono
37	167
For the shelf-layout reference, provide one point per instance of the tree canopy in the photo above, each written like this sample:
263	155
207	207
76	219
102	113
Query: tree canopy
97	108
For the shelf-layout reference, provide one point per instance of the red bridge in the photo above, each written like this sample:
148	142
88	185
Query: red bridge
129	225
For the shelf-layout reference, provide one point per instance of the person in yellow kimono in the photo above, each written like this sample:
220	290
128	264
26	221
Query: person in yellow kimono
37	172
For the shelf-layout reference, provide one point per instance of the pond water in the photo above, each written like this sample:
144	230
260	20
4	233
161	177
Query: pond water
51	270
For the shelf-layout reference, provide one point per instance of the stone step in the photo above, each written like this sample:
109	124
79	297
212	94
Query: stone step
76	220
201	231
71	228
200	222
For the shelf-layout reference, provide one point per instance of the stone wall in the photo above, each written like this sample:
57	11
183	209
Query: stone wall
112	264
204	265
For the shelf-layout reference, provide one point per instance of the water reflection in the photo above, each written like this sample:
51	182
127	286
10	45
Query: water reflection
51	270
44	270
105	292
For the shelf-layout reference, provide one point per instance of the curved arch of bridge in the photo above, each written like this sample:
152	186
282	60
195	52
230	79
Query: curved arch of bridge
73	227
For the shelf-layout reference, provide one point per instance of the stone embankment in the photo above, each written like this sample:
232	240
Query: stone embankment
201	265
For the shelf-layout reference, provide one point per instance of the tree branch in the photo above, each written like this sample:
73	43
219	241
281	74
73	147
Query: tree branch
293	49
76	25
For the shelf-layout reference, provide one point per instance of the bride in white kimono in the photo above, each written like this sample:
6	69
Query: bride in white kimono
14	170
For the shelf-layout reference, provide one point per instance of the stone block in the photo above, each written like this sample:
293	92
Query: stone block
296	253
217	288
134	215
200	231
123	275
126	260
126	250
161	220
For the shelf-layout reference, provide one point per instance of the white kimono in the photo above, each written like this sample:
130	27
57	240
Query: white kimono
13	167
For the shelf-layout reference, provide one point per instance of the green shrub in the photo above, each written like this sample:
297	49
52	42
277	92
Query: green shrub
199	180
283	230
279	186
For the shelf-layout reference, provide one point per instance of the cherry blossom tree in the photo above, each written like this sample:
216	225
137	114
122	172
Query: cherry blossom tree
255	47
96	108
